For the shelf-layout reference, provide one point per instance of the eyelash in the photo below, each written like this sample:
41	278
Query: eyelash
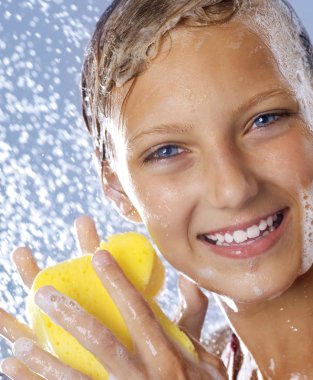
155	156
276	115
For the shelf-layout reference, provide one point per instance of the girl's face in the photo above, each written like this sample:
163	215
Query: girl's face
214	155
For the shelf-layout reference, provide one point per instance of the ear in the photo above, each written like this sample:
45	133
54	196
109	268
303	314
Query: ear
115	192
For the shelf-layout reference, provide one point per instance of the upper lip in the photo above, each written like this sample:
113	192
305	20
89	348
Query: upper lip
242	226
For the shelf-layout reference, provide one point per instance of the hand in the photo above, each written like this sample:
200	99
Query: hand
15	332
154	355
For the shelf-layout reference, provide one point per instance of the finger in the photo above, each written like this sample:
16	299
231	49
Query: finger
87	235
194	305
95	337
26	265
147	334
43	363
11	329
16	370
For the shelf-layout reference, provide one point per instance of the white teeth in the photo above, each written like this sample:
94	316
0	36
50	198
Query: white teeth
253	232
263	225
220	238
229	238
240	236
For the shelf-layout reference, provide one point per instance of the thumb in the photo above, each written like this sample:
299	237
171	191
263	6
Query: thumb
193	307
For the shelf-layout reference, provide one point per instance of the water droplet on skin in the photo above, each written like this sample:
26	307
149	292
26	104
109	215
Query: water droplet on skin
151	347
272	365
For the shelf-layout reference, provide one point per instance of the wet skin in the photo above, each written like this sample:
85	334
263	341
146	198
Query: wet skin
223	165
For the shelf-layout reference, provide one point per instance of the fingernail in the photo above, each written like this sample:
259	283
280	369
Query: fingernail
101	259
23	347
8	366
46	298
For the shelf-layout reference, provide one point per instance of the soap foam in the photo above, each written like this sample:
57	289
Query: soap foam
298	376
307	204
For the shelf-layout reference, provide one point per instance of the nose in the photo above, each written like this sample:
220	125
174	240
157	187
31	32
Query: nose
232	182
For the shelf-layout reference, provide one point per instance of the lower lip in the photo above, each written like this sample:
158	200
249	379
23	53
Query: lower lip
252	248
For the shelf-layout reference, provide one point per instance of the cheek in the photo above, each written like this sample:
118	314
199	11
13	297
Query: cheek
165	209
161	205
294	173
289	162
306	170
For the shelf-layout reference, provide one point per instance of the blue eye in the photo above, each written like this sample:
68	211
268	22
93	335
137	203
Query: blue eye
166	151
267	119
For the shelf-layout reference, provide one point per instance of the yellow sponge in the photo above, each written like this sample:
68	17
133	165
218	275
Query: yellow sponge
77	279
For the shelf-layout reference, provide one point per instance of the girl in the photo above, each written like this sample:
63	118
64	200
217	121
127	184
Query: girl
200	114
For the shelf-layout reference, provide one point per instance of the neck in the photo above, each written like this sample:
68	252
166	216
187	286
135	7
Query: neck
279	333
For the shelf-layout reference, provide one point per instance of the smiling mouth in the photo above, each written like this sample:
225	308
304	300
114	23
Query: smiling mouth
240	237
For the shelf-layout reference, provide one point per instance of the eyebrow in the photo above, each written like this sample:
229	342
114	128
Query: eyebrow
161	129
263	96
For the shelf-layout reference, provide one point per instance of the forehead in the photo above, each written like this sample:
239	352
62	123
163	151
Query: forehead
201	66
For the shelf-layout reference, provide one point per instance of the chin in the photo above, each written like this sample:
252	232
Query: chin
259	294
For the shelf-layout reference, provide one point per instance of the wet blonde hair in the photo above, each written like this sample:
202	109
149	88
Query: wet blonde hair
127	37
